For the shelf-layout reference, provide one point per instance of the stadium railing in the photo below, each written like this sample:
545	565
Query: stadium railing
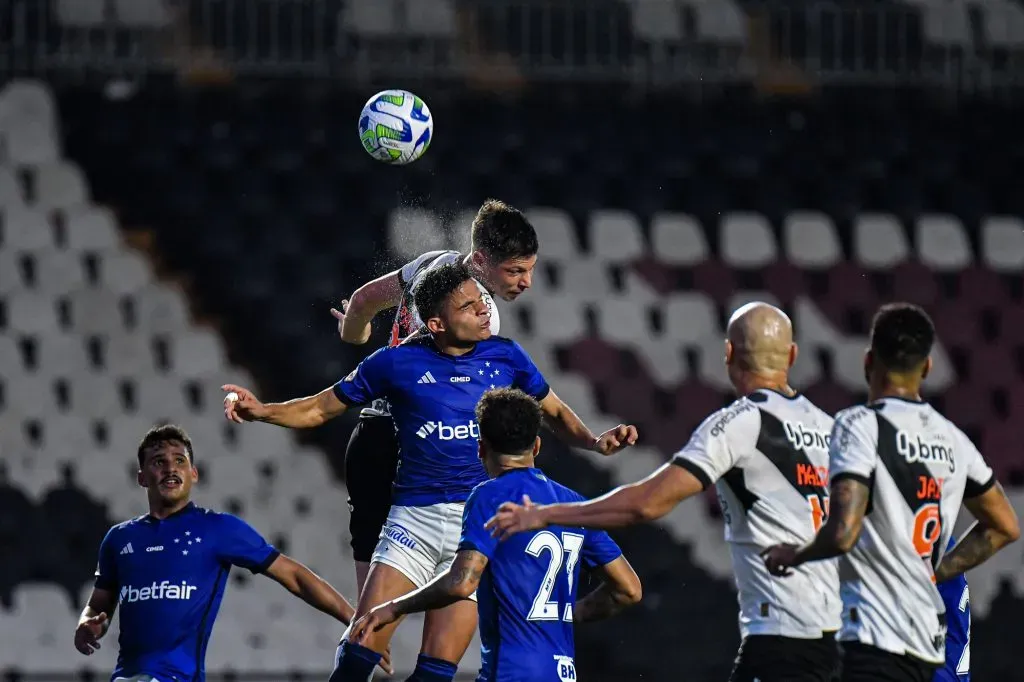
776	43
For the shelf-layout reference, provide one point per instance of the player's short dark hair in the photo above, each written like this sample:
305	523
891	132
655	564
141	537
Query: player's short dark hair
502	232
902	335
165	433
435	286
509	420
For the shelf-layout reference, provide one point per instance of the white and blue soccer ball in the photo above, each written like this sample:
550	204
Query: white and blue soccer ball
395	127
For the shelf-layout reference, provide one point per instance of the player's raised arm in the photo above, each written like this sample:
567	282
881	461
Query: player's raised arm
571	430
459	583
627	505
997	527
357	313
310	588
241	405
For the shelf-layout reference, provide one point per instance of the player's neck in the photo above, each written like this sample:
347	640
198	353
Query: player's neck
160	510
453	349
476	272
778	383
894	387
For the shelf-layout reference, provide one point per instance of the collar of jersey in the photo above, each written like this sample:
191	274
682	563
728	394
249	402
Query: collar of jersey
516	470
429	341
191	506
796	394
899	398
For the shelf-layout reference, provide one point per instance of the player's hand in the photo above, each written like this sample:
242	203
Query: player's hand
88	632
512	518
376	619
780	559
339	315
241	405
615	439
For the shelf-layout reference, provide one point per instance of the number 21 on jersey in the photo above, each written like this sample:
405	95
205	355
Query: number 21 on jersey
557	548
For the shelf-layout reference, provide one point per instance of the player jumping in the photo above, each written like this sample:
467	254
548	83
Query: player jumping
167	571
526	588
432	383
900	471
767	455
502	257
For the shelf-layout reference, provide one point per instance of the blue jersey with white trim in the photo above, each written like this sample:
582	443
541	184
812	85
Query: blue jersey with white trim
433	399
528	590
169	576
956	597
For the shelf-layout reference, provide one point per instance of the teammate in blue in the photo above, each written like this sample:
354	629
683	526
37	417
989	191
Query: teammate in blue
432	382
527	586
956	597
167	571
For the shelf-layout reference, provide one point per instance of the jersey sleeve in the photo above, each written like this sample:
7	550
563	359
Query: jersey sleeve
368	381
106	566
599	549
527	377
474	536
853	451
980	476
409	270
709	454
238	544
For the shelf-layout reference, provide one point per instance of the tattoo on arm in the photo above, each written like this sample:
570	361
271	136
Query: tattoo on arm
458	583
600	604
848	505
975	548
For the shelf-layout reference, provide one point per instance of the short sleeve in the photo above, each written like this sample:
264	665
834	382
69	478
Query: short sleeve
527	377
474	536
708	454
599	549
853	451
106	567
979	475
409	270
368	381
238	544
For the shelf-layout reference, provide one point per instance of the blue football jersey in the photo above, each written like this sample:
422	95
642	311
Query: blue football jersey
956	597
527	593
169	576
433	399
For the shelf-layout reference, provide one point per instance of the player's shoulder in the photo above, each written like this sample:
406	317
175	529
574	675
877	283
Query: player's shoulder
858	415
731	419
126	526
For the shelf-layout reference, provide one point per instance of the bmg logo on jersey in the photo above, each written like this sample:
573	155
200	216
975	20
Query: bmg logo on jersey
156	591
446	432
914	449
802	438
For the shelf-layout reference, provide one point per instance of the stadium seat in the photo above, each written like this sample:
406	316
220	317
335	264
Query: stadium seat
1002	244
59	185
677	239
615	237
879	241
690	318
90	229
58	273
26	230
747	241
555	232
941	243
811	241
141	13
11	192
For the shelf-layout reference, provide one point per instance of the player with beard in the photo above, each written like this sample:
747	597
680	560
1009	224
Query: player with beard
168	570
502	256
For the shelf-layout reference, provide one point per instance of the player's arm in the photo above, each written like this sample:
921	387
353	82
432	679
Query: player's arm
358	312
627	505
997	526
571	430
310	588
460	582
95	619
848	505
619	589
242	405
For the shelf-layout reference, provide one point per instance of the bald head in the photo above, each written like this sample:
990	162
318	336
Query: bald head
761	336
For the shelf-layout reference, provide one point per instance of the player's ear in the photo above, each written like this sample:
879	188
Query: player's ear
536	446
926	370
729	352
140	480
794	352
435	325
869	361
481	450
195	473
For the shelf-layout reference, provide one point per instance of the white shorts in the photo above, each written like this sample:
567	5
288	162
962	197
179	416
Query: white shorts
421	542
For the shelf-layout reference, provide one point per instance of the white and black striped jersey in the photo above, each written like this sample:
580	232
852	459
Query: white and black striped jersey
919	468
767	455
407	320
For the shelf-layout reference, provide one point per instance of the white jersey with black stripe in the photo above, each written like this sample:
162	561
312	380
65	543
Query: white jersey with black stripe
767	455
919	467
407	320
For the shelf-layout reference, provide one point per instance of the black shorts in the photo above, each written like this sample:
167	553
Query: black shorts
772	658
371	460
866	663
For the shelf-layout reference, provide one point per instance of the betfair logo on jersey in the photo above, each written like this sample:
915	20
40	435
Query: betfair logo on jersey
446	432
803	438
156	591
913	448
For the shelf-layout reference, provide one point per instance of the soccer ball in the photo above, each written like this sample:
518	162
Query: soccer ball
395	127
